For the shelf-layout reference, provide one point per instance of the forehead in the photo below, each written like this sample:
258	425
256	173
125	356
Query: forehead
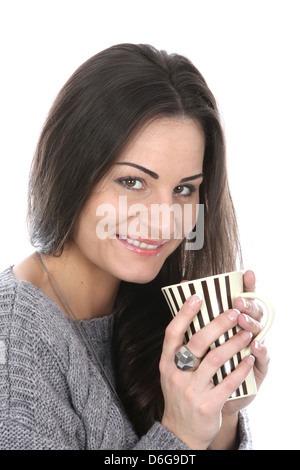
167	140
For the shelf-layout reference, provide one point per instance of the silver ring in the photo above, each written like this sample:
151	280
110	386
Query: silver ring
185	360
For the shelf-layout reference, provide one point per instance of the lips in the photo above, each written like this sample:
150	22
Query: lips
142	246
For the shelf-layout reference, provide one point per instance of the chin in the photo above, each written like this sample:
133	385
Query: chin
138	280
138	276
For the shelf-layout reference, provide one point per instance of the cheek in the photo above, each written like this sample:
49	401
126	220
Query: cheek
85	232
98	220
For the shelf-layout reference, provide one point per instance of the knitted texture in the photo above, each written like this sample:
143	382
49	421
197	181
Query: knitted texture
52	393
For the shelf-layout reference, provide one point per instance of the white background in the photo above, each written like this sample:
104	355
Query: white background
248	51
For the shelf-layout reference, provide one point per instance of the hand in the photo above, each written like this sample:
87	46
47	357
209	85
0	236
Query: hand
249	320
192	403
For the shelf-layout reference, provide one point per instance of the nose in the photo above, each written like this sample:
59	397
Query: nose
160	219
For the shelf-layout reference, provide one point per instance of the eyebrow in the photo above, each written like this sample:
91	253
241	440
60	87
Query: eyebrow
139	167
155	175
189	178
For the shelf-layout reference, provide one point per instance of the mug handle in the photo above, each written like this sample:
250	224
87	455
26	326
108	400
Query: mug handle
270	310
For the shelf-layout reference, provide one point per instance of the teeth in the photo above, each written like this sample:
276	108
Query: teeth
138	244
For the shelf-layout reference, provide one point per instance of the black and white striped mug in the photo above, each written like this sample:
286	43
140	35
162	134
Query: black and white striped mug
219	293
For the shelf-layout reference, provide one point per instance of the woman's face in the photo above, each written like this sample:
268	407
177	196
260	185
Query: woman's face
143	209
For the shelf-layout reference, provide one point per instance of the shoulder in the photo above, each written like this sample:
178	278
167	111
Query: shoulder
29	270
19	298
21	290
29	319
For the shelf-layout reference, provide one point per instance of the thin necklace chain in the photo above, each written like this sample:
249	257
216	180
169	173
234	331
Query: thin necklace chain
81	330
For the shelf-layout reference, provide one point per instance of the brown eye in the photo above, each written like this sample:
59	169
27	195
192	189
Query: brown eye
130	183
133	183
184	190
178	189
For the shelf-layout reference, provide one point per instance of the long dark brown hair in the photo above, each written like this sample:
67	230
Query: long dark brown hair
95	115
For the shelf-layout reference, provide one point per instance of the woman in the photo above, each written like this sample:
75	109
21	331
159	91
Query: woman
87	341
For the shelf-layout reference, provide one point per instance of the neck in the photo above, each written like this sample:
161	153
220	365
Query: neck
89	291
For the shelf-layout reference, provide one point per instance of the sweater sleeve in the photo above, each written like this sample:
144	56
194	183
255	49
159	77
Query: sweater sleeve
245	438
159	438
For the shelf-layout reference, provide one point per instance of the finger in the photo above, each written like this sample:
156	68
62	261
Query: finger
220	355
249	324
204	338
176	329
262	361
249	281
250	307
229	385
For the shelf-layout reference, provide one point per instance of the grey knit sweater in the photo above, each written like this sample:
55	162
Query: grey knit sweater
52	393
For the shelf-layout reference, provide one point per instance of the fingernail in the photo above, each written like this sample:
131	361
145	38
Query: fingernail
248	320
233	314
195	300
250	360
245	303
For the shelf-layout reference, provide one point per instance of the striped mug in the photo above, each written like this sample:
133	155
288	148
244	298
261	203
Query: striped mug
219	293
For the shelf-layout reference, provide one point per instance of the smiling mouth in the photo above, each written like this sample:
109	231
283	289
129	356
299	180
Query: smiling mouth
150	245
